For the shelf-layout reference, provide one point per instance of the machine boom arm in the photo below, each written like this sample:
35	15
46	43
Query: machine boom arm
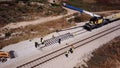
80	10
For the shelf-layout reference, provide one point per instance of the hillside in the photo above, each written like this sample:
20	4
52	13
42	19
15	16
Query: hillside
96	5
106	56
24	10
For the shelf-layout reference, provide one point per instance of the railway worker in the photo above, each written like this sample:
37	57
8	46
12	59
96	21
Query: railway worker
59	41
36	44
41	40
66	54
71	49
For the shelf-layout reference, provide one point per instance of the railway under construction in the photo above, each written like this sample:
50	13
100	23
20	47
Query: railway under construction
46	58
33	63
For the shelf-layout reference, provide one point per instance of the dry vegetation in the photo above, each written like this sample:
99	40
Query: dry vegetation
41	30
96	5
81	17
24	10
107	56
32	31
107	13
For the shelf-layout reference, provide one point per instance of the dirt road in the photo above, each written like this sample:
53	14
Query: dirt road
40	20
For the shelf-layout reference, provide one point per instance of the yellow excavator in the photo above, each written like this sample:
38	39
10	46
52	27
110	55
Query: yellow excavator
5	55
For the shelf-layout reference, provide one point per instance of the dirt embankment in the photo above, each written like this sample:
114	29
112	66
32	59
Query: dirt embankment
107	56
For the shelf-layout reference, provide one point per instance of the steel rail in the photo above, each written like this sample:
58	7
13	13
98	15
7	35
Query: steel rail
61	51
78	32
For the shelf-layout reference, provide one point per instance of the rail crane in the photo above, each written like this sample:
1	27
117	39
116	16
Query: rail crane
96	20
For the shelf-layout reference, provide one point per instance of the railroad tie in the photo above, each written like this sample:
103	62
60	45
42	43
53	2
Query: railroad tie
55	39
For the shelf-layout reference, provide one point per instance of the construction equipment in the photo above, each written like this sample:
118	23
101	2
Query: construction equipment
5	55
80	10
96	20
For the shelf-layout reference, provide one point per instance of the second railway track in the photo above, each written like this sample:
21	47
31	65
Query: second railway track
43	59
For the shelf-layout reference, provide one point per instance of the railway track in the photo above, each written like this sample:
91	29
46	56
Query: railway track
63	37
43	59
71	28
78	32
54	40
